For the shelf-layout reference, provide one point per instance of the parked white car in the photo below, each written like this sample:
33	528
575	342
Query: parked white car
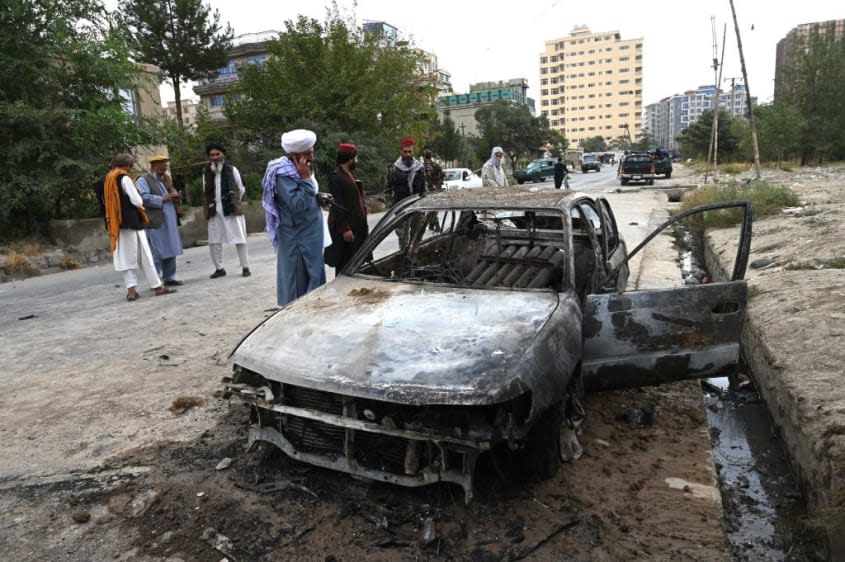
460	178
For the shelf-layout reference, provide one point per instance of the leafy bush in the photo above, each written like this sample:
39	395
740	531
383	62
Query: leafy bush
252	183
195	192
766	200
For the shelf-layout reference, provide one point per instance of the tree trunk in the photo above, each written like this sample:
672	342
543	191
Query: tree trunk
177	92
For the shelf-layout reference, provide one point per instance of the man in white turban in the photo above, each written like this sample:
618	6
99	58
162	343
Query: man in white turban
292	201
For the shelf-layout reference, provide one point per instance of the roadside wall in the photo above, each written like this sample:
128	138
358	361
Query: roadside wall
89	235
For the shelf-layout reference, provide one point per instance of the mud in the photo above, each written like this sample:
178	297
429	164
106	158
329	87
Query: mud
612	504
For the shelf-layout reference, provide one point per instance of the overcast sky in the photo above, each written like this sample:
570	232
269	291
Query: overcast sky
486	41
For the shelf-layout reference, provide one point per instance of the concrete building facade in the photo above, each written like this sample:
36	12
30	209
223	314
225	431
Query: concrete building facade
462	107
145	101
591	85
665	119
190	110
798	34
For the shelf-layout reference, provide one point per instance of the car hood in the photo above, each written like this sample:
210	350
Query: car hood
402	342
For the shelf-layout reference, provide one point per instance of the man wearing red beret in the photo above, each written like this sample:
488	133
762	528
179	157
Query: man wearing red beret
405	178
347	219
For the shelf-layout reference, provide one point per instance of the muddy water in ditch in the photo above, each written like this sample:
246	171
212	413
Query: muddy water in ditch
762	502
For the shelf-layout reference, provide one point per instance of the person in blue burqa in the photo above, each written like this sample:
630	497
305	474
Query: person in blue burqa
294	220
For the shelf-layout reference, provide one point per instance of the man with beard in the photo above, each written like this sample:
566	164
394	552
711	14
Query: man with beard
294	220
224	189
405	178
347	219
160	200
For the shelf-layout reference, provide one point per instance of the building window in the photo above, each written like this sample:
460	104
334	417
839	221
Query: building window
216	101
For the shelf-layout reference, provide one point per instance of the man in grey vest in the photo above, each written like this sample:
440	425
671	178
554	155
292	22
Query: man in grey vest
160	201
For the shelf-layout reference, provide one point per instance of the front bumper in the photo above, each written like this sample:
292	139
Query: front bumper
375	440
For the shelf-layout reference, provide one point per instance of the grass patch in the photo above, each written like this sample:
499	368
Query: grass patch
17	262
766	200
732	169
70	262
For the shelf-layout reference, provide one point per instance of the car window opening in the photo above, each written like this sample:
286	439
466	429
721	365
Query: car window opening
484	249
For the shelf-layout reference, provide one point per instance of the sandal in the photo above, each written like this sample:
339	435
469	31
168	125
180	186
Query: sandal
131	298
162	290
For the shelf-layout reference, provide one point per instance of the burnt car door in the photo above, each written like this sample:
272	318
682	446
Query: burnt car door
649	337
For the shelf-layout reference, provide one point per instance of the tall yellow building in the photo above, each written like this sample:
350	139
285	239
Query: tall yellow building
591	85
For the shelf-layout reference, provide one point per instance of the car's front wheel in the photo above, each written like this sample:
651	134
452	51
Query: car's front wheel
541	455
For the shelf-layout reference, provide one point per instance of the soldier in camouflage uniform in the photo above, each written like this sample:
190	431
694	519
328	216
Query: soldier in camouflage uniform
434	175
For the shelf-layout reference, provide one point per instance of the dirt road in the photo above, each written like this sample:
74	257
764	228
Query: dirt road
113	435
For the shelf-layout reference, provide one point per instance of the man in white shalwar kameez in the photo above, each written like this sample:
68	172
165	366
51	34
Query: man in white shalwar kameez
224	190
125	220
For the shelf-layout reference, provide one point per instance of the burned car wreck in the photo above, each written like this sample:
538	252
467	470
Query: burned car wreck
475	334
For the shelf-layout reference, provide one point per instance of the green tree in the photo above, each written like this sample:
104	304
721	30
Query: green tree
511	126
447	142
814	78
558	142
778	131
594	144
63	73
695	139
182	37
341	83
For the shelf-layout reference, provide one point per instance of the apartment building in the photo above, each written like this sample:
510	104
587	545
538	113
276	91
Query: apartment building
798	36
462	107
190	109
250	48
665	119
591	85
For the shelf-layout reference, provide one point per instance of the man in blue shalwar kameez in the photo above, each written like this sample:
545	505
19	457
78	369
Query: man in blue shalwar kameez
160	200
294	218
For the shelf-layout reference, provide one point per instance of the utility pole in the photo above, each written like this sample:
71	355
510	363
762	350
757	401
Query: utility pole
747	97
717	75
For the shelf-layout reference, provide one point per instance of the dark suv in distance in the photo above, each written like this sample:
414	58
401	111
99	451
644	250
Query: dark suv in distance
590	162
662	162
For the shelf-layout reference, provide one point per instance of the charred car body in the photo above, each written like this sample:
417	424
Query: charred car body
477	337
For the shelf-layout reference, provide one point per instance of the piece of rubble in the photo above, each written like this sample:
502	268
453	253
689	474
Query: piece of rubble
224	464
81	516
427	533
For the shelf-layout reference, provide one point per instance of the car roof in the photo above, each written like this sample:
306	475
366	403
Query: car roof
494	198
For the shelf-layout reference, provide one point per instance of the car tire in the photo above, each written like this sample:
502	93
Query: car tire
541	454
624	181
650	181
668	174
520	182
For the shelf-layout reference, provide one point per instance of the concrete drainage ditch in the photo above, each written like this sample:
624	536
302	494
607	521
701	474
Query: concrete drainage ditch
762	502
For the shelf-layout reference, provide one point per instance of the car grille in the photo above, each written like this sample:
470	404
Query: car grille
314	436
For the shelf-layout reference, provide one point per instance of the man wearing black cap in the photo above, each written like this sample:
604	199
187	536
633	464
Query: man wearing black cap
347	219
224	189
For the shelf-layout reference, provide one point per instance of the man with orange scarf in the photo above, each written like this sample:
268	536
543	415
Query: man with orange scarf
125	221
